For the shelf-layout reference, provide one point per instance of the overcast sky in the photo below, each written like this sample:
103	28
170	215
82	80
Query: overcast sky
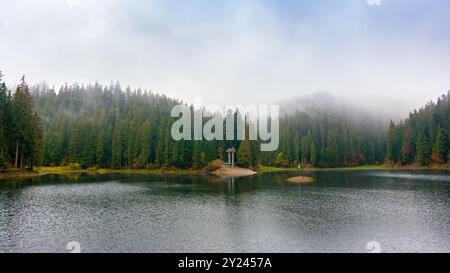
234	51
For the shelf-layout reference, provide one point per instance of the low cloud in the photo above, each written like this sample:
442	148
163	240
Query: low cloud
73	2
373	2
230	52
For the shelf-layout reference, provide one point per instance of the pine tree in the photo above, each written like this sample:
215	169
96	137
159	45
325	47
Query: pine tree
313	158
332	149
159	152
37	142
3	120
167	146
390	143
132	147
421	150
145	141
297	148
51	148
244	154
100	152
407	152
88	149
186	154
23	124
175	154
199	155
117	149
75	144
211	151
440	147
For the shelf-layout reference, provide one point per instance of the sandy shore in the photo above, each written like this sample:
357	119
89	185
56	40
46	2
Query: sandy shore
301	179
234	172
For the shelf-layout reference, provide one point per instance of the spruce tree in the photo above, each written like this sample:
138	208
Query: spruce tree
440	147
313	158
199	155
100	150
421	150
36	156
23	124
117	150
407	152
3	126
332	149
390	157
244	154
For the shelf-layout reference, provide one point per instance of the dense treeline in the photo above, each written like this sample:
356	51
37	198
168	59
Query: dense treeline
108	127
423	137
324	139
20	128
104	126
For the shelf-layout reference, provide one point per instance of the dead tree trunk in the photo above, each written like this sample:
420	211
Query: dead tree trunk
31	164
21	159
17	154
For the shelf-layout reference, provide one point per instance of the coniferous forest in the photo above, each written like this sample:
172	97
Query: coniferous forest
110	127
20	128
423	137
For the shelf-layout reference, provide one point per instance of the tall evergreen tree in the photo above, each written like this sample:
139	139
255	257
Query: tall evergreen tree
244	154
390	158
422	150
24	125
117	146
313	158
332	150
4	107
440	147
199	155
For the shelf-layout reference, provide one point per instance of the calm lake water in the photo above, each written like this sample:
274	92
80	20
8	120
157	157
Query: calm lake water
341	212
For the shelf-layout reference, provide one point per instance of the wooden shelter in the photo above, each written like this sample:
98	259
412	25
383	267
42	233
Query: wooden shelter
231	156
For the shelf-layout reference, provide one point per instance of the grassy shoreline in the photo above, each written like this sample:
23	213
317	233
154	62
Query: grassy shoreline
261	170
10	174
383	167
62	170
39	171
267	169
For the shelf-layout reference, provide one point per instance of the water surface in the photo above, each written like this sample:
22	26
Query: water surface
341	212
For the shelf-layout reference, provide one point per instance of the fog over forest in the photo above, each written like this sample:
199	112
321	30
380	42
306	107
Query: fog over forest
387	59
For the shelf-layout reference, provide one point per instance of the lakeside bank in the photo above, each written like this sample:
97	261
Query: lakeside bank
9	174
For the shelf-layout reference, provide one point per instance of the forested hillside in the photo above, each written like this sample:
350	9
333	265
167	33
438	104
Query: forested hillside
105	126
423	137
108	127
328	140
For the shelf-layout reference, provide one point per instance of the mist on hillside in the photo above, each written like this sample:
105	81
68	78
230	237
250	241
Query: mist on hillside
376	109
386	59
381	110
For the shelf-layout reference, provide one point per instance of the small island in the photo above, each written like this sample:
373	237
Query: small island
226	172
301	179
229	169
